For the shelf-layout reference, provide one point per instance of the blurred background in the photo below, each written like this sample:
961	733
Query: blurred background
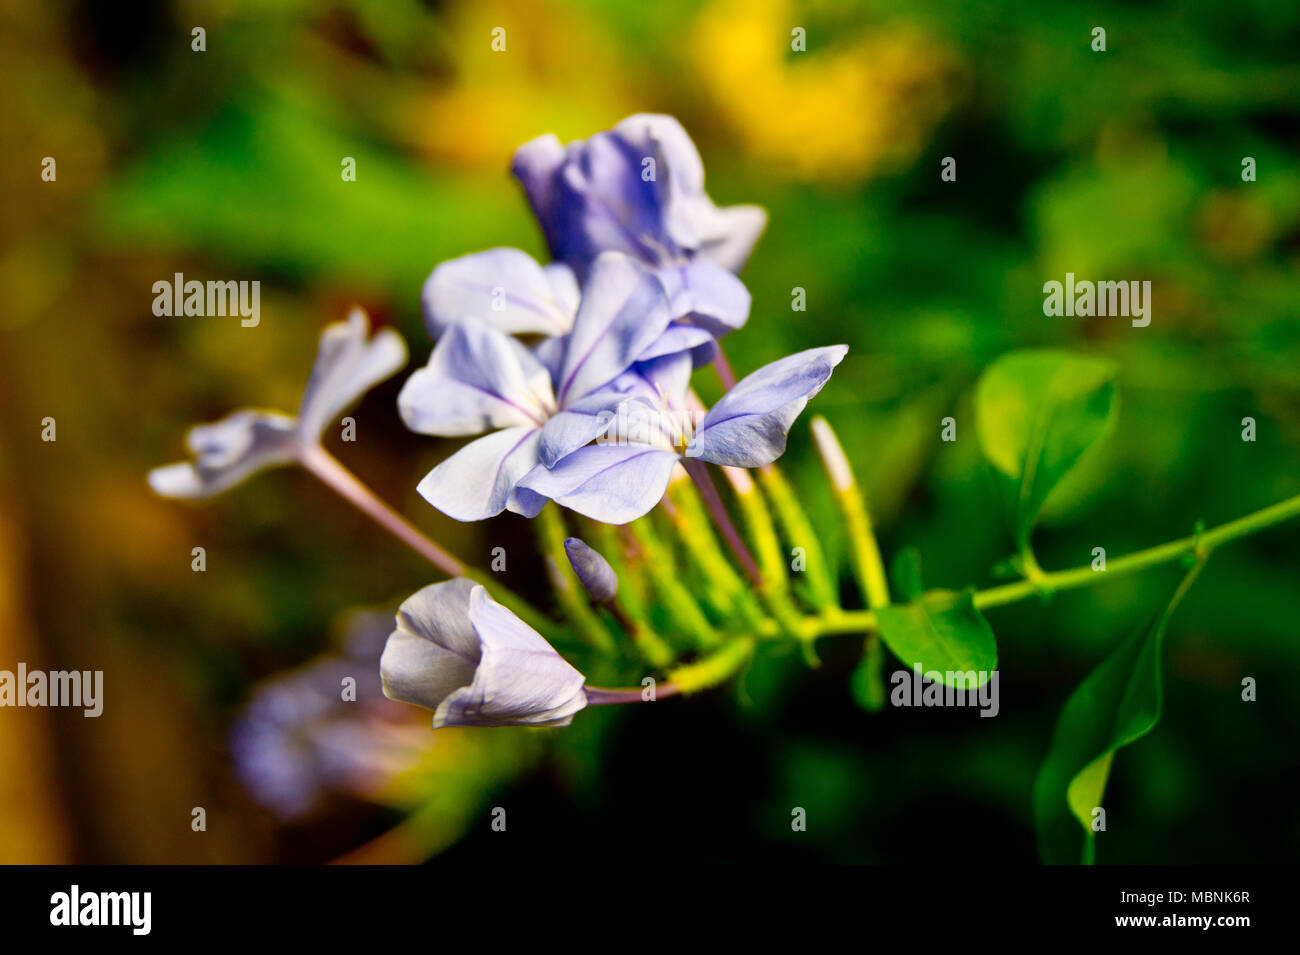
225	164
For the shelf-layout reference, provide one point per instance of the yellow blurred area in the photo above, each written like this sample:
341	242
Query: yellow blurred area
844	111
498	101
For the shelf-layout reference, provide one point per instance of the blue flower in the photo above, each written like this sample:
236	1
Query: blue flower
639	189
479	379
298	738
461	654
624	476
348	364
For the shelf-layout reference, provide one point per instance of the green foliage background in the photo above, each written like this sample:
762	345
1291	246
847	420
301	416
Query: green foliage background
1124	164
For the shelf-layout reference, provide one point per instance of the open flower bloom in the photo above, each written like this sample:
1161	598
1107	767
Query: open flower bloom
479	379
625	475
637	188
508	290
348	364
461	654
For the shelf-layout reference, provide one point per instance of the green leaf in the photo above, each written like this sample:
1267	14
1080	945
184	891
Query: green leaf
1037	413
1118	703
942	631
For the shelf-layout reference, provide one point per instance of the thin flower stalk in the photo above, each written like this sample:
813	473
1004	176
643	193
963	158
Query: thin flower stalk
674	596
798	530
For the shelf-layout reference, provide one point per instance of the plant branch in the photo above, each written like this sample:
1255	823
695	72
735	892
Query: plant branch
1050	582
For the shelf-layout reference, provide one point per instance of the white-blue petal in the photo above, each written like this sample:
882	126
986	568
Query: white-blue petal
348	364
476	482
623	310
748	426
505	288
613	483
477	379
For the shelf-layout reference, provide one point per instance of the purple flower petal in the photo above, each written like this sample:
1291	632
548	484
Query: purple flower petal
504	288
706	295
226	452
477	481
348	364
603	194
747	428
614	483
477	379
623	310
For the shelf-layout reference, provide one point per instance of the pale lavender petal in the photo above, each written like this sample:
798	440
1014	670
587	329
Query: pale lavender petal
226	452
681	338
435	650
476	482
623	310
592	569
727	235
706	295
348	364
748	427
536	164
600	195
477	379
504	288
520	679
614	483
574	427
564	289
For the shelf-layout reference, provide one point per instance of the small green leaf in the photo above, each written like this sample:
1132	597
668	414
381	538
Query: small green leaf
1037	413
942	631
1118	703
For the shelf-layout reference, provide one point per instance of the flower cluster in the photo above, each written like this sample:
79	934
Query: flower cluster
573	378
639	294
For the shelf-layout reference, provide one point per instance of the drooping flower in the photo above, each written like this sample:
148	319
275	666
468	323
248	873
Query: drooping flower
348	364
480	379
458	652
592	569
624	476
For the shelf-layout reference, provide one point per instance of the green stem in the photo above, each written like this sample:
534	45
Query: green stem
868	565
674	595
713	669
799	533
774	585
729	594
1050	582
